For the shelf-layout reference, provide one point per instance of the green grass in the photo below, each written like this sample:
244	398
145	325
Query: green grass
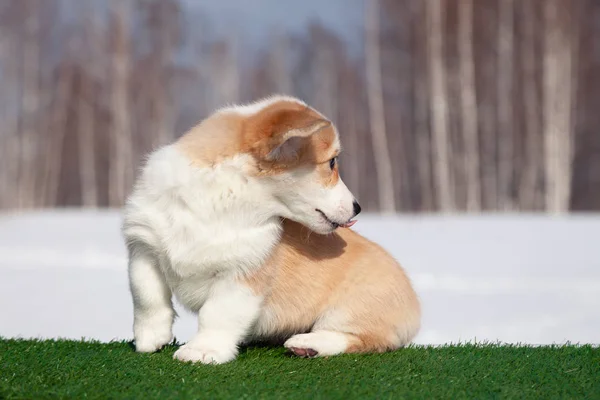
72	369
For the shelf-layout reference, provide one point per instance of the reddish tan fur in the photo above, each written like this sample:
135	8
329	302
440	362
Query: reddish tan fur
310	275
227	134
311	278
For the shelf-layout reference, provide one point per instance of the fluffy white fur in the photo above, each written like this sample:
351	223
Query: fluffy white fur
224	321
191	231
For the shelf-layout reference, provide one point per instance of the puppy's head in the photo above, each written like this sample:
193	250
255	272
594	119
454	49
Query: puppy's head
296	152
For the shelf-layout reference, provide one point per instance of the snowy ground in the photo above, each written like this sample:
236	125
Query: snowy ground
527	279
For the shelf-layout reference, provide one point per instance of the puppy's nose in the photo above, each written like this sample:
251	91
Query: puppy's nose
356	208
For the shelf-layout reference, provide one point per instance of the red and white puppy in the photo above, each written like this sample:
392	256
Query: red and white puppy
238	220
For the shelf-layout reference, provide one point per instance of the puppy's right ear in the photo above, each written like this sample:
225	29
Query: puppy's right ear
287	145
281	133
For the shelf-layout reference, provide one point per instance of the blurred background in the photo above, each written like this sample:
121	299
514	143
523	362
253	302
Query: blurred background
443	105
473	125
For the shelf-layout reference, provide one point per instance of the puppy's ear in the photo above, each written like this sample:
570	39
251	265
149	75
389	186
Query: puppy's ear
290	143
280	133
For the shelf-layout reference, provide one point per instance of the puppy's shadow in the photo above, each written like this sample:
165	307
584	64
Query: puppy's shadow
312	245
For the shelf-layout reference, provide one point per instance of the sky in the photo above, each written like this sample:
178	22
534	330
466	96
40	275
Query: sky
254	20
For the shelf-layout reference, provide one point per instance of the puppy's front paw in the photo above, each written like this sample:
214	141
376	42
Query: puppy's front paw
152	337
206	353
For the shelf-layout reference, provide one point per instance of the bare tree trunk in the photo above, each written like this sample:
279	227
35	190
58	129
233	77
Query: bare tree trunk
233	65
505	103
165	101
385	180
349	96
225	68
325	81
569	139
29	105
87	161
166	123
58	123
164	111
352	146
439	106
278	64
557	107
121	164
529	184
86	120
469	105
396	78
9	143
421	110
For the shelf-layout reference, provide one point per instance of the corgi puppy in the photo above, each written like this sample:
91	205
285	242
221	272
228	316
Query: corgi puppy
245	221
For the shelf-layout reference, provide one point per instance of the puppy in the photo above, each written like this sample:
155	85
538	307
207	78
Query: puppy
245	220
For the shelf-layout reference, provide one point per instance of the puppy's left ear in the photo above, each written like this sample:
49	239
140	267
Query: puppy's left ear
288	143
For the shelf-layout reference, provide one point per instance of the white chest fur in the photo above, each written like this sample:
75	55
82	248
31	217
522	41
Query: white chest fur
200	223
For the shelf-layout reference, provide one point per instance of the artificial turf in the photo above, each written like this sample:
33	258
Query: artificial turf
78	369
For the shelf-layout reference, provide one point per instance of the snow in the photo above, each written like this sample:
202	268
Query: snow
529	279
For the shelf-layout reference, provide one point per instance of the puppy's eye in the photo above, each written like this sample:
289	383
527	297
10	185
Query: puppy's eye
332	162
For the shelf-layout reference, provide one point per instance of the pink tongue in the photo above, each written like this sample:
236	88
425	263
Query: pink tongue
348	224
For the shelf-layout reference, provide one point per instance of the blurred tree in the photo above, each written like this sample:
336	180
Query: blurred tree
385	179
121	168
558	96
505	137
439	106
530	180
468	105
454	105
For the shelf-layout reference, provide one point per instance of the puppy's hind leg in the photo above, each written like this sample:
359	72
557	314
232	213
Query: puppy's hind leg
153	312
336	332
320	343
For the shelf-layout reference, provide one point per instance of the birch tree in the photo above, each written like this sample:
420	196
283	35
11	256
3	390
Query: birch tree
468	105
9	139
324	73
90	58
558	146
225	68
348	124
421	110
29	104
529	191
163	27
58	128
505	103
121	164
439	106
278	65
385	179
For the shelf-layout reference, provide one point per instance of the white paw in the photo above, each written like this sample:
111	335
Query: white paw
205	353
315	344
151	337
